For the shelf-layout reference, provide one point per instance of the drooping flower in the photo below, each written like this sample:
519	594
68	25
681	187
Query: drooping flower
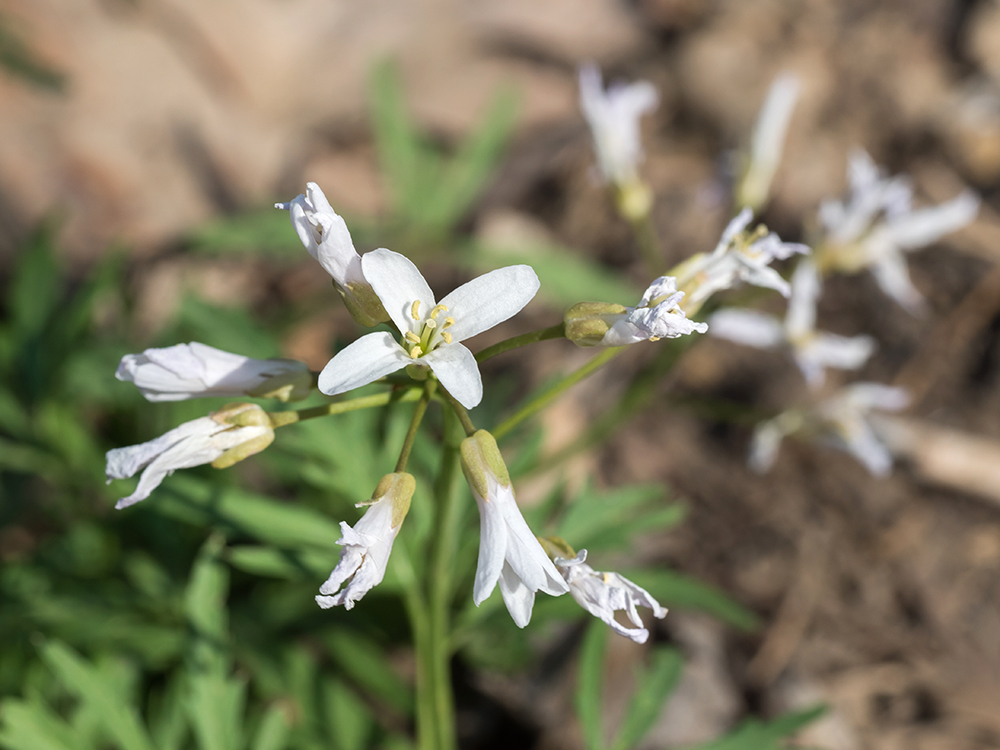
613	117
740	256
509	553
768	141
843	420
657	316
603	594
195	370
876	224
325	235
813	350
221	439
431	331
368	545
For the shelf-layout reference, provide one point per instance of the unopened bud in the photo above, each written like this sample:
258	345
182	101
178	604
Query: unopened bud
481	458
587	322
362	303
635	200
399	488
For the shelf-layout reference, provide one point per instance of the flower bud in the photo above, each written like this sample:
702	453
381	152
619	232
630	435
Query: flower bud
243	415
587	322
481	460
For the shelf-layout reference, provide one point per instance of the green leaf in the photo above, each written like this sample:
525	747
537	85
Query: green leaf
205	607
362	660
36	286
754	734
653	688
168	724
31	726
215	706
231	329
267	230
349	722
272	734
674	589
395	139
589	680
83	680
281	563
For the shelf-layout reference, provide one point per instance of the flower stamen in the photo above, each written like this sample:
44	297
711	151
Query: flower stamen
415	310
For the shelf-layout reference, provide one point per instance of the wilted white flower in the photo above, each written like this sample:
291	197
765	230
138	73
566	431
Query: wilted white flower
768	141
195	370
813	350
368	545
841	420
603	594
613	116
221	439
325	235
740	256
431	331
509	553
876	224
657	316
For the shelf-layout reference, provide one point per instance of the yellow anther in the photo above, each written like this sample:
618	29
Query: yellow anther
416	352
654	338
605	577
431	323
415	310
437	310
411	337
446	336
448	322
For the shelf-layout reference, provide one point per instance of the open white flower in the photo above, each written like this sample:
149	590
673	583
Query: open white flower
221	439
195	370
657	316
613	116
431	331
368	545
740	256
603	594
813	350
876	224
325	235
843	420
509	553
768	141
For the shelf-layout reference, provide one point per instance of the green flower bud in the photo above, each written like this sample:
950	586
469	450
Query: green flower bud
244	416
363	304
587	322
480	455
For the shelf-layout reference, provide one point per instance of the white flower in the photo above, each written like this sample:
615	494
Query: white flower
431	331
325	235
768	141
222	439
602	594
613	116
739	257
841	420
195	370
813	350
367	546
877	224
508	551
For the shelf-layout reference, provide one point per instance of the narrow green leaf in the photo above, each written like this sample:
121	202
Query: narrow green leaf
349	722
272	734
168	724
36	286
754	734
653	688
215	705
362	660
397	143
27	726
589	680
281	563
205	607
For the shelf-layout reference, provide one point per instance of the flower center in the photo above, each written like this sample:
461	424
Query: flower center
433	331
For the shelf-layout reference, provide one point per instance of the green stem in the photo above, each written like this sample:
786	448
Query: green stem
552	332
411	433
649	244
282	418
542	400
460	412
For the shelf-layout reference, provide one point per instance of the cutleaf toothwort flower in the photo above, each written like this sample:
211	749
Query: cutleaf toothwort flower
657	316
876	224
431	331
843	420
740	256
195	370
768	141
367	546
221	439
509	553
325	235
602	593
813	350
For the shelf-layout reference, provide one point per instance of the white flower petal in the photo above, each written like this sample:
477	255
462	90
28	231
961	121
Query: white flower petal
398	283
519	598
492	548
748	327
868	396
764	445
769	139
862	443
360	363
456	368
893	277
736	225
927	225
800	320
490	299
